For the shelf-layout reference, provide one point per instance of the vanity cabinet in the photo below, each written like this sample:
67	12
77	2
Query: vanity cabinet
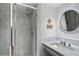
51	52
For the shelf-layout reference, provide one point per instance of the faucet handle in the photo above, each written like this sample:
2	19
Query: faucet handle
69	45
64	43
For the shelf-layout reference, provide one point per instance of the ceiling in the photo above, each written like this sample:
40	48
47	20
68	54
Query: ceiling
54	4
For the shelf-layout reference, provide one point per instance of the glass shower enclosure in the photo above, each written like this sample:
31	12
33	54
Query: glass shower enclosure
4	29
18	29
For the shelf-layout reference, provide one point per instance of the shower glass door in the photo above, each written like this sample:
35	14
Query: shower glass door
23	30
17	30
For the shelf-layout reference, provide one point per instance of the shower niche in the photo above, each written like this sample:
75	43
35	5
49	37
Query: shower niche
18	29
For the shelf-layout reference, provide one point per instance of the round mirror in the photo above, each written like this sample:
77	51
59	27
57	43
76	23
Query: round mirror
69	21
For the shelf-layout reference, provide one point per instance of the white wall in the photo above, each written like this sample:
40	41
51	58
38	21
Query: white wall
44	13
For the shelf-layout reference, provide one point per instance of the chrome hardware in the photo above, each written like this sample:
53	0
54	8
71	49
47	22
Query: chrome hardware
63	43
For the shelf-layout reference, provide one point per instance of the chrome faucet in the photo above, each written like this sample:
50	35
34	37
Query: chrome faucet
69	45
63	43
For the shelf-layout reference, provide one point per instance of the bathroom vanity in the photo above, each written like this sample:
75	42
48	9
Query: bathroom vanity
68	28
61	48
51	51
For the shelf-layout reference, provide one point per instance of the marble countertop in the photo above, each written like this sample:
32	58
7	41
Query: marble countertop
62	50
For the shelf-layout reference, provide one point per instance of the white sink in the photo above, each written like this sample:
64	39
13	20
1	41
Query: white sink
73	50
59	46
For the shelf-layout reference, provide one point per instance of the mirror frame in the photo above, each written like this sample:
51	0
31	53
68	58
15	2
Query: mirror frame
61	29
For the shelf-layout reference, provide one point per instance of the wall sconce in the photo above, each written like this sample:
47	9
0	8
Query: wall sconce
49	24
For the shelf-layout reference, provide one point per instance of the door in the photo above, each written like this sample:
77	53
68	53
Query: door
22	31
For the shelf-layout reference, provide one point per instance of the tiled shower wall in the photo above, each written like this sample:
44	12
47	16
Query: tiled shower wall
23	31
4	29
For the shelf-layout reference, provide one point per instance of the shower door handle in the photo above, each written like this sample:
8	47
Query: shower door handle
12	43
12	50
